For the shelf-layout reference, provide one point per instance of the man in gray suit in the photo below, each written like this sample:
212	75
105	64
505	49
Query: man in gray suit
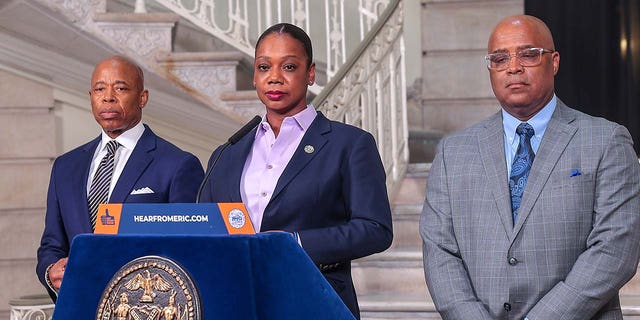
538	220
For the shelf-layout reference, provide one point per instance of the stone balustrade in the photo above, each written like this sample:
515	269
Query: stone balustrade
32	307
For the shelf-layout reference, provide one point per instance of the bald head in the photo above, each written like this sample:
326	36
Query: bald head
523	90
527	24
125	62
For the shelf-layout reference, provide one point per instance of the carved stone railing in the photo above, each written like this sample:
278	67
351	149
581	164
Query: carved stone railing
367	90
336	26
370	92
36	307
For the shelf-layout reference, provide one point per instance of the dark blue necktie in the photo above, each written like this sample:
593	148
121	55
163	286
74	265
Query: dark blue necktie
521	167
99	190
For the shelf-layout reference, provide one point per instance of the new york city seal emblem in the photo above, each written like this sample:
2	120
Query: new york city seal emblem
150	288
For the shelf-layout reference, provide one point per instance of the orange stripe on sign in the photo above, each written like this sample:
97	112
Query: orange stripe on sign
235	217
108	218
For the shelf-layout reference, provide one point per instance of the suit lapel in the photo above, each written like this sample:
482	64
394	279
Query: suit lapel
237	156
556	138
301	157
138	162
491	144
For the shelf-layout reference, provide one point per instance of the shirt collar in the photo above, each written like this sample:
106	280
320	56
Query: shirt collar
127	139
539	121
303	119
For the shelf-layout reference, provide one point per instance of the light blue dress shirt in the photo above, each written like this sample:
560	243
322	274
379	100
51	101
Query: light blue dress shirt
539	123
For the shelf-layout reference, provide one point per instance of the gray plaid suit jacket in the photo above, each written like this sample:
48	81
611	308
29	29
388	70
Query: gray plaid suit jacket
577	236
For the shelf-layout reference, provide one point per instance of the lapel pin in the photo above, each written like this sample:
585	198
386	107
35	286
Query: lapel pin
308	149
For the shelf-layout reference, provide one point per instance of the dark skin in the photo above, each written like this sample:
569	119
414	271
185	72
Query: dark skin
56	272
117	97
281	77
523	91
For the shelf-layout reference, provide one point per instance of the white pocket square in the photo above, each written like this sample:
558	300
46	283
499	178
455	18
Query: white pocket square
145	190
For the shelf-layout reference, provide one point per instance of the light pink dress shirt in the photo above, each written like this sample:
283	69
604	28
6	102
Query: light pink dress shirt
267	160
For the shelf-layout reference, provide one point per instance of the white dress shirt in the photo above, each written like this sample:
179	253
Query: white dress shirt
127	141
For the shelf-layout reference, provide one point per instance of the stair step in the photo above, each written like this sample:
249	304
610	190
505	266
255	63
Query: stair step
413	187
244	103
130	17
239	95
407	207
632	289
228	57
415	306
391	285
419	169
124	31
630	306
411	191
393	306
205	74
392	271
422	145
406	220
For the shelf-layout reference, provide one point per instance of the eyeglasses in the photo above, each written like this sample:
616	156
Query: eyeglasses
529	57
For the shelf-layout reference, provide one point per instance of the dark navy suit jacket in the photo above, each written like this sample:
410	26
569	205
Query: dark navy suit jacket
174	176
335	197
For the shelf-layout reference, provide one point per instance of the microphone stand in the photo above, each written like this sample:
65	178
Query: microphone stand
232	140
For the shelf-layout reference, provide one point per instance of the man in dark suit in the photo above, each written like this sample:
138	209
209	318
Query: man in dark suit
140	167
533	213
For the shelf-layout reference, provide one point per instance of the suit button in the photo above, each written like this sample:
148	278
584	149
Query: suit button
513	261
507	306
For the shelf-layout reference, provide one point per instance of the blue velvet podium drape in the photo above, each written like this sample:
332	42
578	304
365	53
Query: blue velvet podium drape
263	276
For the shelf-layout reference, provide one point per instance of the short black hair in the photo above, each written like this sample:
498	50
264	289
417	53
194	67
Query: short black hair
295	32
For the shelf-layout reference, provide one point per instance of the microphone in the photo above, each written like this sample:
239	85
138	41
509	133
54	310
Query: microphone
232	140
244	130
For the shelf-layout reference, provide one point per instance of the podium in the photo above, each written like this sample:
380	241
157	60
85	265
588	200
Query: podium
262	276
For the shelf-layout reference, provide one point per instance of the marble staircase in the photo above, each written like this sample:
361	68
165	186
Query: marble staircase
210	73
391	285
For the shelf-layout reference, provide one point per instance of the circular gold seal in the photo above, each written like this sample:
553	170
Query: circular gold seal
150	288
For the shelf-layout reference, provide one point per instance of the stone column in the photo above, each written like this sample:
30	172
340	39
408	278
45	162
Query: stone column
28	135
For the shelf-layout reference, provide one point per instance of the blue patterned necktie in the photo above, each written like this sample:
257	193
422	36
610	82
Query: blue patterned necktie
99	190
521	167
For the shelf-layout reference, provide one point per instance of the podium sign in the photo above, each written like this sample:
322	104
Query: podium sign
249	277
173	218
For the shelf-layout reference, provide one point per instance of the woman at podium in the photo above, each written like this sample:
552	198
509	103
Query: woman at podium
299	172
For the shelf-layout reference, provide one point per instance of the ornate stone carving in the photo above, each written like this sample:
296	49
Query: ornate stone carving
77	11
370	95
140	38
35	307
208	80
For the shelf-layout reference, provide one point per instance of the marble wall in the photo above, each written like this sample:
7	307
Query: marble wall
28	130
455	82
